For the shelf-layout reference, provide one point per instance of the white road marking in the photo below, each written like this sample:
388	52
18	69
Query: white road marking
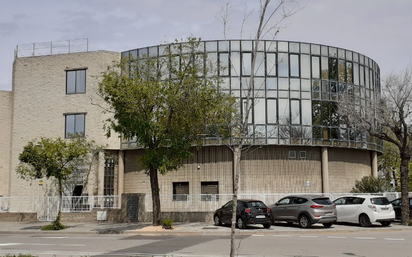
395	239
336	236
281	236
7	244
308	236
258	235
365	238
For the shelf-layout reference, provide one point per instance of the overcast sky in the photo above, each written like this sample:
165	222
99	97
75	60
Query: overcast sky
380	29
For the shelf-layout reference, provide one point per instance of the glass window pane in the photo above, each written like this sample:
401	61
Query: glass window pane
305	66
284	111
211	62
316	113
295	112
342	69
283	84
356	74
349	55
271	84
246	46
315	67
260	111
294	65
349	72
81	81
283	46
235	83
71	82
283	65
333	68
223	46
224	64
234	46
294	47
305	86
270	46
79	129
271	64
211	46
305	48
260	64
362	75
259	84
333	52
235	64
306	112
69	125
324	50
294	84
315	49
325	68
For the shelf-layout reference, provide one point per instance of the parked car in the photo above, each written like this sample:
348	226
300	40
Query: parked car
397	206
304	209
248	212
365	209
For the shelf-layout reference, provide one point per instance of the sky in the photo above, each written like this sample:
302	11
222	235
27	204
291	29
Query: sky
379	29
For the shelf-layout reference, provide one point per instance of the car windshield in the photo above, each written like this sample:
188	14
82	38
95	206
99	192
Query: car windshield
256	204
380	201
322	200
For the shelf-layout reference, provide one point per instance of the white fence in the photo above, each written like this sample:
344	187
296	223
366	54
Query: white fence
47	207
208	203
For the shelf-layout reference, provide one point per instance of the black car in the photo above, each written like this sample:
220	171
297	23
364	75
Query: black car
397	207
248	212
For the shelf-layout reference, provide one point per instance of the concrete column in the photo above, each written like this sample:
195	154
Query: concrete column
100	174
120	176
325	170
374	164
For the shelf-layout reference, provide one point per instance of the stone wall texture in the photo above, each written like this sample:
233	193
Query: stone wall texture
6	107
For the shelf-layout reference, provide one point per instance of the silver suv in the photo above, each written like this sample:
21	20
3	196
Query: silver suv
304	209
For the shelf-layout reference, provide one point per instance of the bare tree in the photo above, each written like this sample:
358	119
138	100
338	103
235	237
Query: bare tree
271	17
387	117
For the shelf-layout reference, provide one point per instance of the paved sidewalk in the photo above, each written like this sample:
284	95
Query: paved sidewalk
183	228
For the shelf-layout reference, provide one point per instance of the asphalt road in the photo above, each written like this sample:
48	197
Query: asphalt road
359	244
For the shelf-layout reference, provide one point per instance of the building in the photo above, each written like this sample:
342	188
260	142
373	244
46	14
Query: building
300	144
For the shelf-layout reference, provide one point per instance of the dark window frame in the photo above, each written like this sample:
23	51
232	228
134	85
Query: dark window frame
75	132
75	81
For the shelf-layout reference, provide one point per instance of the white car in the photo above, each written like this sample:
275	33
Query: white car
365	210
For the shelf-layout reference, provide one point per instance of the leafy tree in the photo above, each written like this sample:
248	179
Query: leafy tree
387	117
371	184
54	158
168	104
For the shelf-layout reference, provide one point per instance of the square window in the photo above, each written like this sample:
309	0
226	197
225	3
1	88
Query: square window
75	125
292	154
75	81
180	191
209	190
303	154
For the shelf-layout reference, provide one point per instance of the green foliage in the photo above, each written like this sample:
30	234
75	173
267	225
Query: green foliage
167	223
167	103
371	184
55	225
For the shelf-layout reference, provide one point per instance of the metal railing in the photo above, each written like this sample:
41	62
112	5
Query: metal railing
47	207
209	203
53	47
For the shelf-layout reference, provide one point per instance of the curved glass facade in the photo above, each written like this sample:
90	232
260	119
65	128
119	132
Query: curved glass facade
296	90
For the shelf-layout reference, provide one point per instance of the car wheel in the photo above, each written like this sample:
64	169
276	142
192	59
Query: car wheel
364	221
304	221
267	225
240	223
327	225
385	223
217	220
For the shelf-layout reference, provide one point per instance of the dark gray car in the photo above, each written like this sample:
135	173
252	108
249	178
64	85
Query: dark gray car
304	209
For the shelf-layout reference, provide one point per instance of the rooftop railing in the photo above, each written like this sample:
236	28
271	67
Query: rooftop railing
53	47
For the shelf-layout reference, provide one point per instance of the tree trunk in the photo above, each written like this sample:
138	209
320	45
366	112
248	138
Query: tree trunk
60	197
236	170
405	159
154	184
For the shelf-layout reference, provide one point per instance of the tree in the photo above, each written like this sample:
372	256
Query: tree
270	22
54	158
387	117
168	104
371	184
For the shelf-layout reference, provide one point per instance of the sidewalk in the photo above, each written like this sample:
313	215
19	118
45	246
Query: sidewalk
183	228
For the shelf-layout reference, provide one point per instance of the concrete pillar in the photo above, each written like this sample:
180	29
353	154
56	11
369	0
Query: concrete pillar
100	174
325	170
120	177
375	164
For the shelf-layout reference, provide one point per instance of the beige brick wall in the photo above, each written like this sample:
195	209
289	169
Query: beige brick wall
6	105
346	166
40	102
264	170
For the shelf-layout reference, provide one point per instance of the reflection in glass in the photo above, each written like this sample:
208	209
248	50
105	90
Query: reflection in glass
235	83
70	127
224	64
349	72
315	67
235	64
284	111
283	46
271	46
294	65
259	111
260	64
342	70
71	82
283	65
271	64
367	77
271	84
315	85
362	75
272	115
333	52
315	49
305	67
294	112
333	87
294	47
246	64
305	48
356	74
325	68
246	46
306	112
333	68
294	84
305	85
316	113
283	84
224	46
